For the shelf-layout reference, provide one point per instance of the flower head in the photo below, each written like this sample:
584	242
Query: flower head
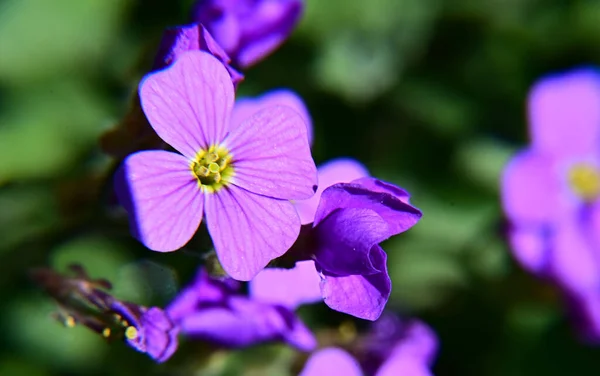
343	245
215	310
241	176
409	351
248	30
551	190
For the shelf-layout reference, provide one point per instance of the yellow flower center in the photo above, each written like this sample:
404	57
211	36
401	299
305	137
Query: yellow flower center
212	168
584	180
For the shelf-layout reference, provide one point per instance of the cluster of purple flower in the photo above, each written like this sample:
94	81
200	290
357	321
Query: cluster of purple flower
245	166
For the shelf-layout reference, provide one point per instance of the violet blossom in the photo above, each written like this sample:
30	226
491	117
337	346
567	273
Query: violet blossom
248	30
551	191
241	175
342	245
407	349
215	310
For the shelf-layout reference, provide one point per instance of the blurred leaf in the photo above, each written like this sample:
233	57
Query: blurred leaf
146	282
40	38
44	130
31	328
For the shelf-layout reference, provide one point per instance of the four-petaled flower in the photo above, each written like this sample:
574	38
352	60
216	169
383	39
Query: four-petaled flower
240	175
551	191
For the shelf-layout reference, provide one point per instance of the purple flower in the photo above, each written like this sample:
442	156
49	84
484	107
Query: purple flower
551	190
248	30
148	330
178	40
343	244
241	175
410	354
216	311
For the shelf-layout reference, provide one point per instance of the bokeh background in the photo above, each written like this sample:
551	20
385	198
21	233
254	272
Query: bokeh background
429	94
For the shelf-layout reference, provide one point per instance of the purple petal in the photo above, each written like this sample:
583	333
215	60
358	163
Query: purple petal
271	155
380	186
245	323
249	230
331	361
345	239
574	261
586	309
531	247
246	107
189	103
287	287
160	334
405	366
341	170
564	113
531	189
178	40
162	198
361	296
399	215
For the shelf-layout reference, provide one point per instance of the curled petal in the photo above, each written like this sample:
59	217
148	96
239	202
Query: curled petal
564	113
380	186
357	295
287	287
271	155
341	170
249	230
399	215
531	247
345	239
189	103
161	197
331	361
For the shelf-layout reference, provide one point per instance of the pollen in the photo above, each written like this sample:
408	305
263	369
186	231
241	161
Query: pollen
131	332
584	180
70	321
106	333
213	168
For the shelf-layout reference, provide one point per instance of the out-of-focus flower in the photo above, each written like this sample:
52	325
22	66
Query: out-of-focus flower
82	300
407	350
551	191
241	176
215	310
343	245
248	30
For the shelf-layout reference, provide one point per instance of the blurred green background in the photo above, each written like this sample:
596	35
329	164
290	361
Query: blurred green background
429	94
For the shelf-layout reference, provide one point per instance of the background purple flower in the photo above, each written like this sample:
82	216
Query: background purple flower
241	176
216	310
551	190
248	30
410	354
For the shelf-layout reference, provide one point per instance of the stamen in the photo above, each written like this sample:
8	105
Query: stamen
584	180
106	333
212	168
131	333
70	322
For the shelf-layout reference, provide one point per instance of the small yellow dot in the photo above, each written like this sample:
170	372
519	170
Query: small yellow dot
70	321
106	332
131	332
